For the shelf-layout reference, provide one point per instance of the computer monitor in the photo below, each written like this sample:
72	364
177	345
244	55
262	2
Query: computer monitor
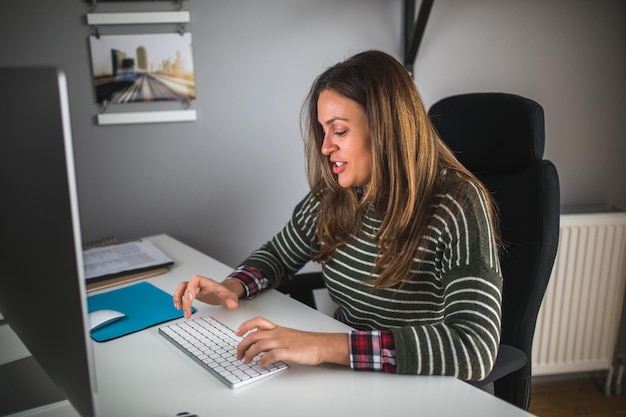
42	288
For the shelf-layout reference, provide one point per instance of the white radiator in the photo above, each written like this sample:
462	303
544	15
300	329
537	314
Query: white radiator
579	320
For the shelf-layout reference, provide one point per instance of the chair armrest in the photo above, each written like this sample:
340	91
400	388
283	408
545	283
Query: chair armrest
509	360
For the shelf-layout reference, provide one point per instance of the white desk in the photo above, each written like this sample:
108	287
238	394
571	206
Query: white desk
142	374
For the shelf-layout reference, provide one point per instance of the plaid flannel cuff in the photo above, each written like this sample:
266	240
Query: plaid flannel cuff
372	350
251	278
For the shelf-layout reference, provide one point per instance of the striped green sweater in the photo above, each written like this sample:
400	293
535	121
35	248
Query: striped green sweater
445	319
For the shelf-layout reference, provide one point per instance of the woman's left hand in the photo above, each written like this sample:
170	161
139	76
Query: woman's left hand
278	343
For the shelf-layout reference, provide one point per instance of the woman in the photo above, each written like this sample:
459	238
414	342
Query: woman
405	236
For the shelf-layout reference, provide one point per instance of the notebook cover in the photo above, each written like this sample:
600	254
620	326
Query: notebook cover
144	305
125	279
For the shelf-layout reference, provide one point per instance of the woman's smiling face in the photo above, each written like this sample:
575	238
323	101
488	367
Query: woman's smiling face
346	138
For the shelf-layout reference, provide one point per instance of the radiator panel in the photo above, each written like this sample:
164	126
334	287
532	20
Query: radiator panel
579	320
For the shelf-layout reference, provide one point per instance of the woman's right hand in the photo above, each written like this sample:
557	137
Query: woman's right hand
208	291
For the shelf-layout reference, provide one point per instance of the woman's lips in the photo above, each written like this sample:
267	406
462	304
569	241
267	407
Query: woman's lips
338	167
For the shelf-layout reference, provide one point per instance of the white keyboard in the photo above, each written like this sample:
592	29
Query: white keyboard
214	347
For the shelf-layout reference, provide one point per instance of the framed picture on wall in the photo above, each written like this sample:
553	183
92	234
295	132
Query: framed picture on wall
140	68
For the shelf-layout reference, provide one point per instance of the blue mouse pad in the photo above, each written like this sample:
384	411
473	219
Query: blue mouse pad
144	305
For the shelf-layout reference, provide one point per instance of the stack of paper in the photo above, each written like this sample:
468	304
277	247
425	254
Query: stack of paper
117	263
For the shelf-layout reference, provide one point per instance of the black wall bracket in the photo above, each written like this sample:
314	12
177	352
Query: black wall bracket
414	29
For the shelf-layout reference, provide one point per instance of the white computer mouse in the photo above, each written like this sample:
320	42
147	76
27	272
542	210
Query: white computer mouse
101	318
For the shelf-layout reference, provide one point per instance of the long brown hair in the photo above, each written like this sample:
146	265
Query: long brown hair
408	158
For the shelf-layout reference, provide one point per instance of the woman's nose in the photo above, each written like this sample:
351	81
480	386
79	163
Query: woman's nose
328	146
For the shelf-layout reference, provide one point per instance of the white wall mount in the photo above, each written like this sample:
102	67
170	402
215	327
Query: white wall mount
94	19
189	115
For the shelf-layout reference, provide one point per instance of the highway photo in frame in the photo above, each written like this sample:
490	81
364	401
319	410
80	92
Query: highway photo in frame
141	68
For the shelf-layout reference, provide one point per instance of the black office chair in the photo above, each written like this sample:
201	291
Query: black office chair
500	138
301	287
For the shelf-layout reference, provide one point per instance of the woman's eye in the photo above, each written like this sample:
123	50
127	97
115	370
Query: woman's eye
339	132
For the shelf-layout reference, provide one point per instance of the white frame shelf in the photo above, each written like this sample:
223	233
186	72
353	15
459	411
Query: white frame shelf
94	19
147	117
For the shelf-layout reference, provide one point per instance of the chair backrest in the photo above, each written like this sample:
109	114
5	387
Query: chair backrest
500	138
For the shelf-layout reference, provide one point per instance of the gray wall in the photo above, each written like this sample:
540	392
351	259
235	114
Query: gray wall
225	183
